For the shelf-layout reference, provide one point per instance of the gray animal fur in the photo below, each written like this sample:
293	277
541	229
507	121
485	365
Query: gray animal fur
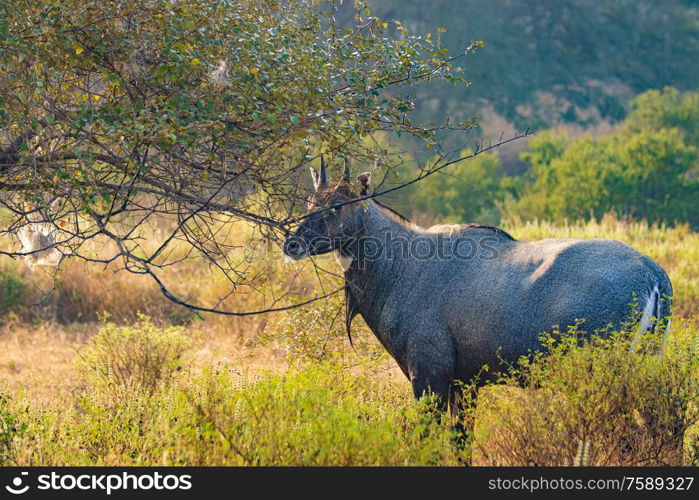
444	319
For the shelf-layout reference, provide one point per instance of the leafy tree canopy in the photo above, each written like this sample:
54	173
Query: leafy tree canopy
468	191
648	168
117	114
644	175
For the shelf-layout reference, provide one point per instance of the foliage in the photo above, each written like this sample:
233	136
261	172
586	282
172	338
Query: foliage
321	415
12	290
311	333
552	62
625	407
333	407
645	176
668	108
317	332
469	191
114	114
141	356
594	403
647	169
152	133
10	427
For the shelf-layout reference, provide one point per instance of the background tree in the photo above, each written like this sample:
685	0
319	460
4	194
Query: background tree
552	62
184	116
643	176
647	169
467	192
667	108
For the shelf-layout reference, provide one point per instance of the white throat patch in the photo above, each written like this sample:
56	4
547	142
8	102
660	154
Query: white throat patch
345	262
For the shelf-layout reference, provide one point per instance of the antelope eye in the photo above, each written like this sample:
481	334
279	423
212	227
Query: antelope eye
334	209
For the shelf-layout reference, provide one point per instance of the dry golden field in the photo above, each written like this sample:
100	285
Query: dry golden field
87	379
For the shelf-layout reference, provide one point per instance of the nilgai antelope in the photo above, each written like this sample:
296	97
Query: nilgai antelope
447	300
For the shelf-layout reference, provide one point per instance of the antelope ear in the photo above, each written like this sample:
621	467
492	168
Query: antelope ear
364	182
316	178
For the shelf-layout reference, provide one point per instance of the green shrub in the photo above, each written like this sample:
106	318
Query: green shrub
10	428
317	332
320	415
646	169
311	333
12	290
470	192
141	356
592	403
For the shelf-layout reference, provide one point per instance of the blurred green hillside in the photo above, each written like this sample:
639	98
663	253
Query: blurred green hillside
609	87
646	169
552	62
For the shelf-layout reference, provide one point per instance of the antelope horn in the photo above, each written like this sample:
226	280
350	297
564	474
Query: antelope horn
323	172
315	177
346	176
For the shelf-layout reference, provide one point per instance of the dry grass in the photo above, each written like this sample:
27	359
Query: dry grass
62	320
41	361
41	335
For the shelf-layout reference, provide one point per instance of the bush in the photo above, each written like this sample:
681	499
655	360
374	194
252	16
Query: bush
320	415
591	403
311	333
469	192
140	356
646	169
10	427
12	290
317	332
